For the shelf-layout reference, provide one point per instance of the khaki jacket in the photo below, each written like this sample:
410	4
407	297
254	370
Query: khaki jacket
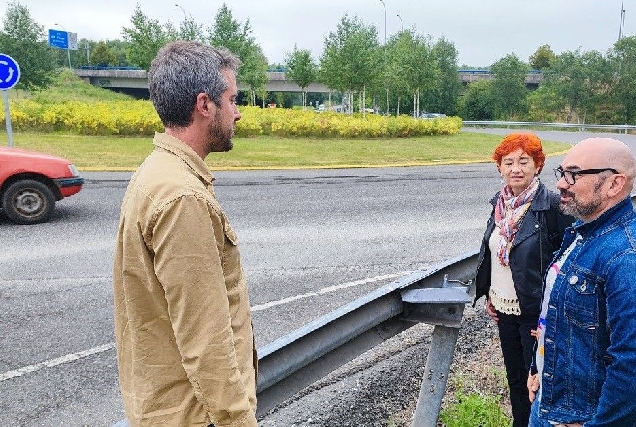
185	345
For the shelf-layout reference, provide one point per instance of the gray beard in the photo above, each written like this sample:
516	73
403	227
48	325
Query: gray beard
579	210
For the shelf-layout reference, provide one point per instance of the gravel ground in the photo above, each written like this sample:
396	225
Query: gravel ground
381	387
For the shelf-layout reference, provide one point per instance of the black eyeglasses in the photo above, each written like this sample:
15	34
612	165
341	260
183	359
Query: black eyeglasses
570	176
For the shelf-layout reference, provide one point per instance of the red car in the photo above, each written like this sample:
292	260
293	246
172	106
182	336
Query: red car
31	183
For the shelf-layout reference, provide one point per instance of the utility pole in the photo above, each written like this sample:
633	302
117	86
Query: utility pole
401	22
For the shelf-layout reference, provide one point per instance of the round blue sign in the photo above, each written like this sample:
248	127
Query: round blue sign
9	72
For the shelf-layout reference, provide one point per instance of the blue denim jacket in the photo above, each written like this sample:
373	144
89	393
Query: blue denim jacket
590	350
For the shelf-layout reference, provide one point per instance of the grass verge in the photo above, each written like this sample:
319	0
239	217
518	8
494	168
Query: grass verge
125	154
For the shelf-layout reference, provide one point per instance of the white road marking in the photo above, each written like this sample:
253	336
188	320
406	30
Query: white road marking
105	347
55	362
327	290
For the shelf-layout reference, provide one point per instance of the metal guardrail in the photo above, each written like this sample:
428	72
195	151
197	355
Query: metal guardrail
578	126
291	363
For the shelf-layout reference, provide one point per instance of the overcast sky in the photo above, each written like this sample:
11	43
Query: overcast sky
483	31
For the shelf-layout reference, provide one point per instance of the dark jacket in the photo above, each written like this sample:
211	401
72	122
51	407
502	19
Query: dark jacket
543	225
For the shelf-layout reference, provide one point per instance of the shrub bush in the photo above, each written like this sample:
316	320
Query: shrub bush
138	118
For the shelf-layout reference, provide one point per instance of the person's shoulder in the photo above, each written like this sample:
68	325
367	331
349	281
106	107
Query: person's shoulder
164	176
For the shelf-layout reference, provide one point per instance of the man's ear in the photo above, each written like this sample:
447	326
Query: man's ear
617	185
204	105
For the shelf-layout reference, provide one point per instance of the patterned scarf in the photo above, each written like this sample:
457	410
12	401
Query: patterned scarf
509	212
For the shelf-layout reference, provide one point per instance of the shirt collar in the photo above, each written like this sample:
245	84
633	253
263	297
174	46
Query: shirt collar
183	151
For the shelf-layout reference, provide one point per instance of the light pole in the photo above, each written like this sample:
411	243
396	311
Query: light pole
68	48
384	5
401	22
387	89
185	16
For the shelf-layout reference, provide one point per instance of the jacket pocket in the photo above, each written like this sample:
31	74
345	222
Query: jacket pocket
581	299
230	234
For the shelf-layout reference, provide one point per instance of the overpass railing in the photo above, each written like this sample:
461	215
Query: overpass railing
581	127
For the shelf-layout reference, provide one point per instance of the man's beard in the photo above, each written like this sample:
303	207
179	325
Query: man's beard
577	209
220	138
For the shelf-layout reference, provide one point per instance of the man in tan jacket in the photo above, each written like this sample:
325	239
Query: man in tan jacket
185	344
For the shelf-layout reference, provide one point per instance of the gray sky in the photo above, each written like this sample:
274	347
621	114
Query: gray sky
482	31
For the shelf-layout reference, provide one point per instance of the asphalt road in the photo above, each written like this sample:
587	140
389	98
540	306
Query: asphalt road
344	232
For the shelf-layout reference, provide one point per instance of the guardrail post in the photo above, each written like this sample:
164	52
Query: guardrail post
444	308
438	362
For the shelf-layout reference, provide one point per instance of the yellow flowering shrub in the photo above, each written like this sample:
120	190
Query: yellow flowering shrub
130	117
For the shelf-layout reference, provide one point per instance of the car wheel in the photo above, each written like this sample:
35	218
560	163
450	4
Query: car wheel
28	202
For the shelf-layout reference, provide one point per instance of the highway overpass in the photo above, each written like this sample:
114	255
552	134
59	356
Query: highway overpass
135	82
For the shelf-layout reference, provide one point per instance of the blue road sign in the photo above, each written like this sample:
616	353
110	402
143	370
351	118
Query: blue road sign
58	39
9	72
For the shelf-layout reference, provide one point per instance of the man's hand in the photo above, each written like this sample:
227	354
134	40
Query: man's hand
533	386
490	309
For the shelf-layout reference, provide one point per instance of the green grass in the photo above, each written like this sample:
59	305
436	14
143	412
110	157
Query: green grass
119	153
475	409
67	86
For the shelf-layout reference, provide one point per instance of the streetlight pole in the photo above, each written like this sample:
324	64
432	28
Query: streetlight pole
68	48
387	89
384	5
401	22
185	15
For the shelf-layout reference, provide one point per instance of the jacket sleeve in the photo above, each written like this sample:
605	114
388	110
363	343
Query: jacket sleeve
616	406
186	239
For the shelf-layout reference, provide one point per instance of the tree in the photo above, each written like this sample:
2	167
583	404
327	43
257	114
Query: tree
103	56
509	86
145	37
301	69
421	71
542	57
397	65
351	59
448	87
189	29
545	105
581	79
237	37
254	73
119	48
478	101
623	59
23	39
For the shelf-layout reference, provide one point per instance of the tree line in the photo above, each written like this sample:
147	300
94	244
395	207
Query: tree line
410	73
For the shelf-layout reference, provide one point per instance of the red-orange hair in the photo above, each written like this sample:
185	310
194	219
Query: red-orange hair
528	142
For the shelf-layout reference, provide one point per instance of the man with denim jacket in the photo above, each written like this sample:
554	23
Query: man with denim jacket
183	331
586	353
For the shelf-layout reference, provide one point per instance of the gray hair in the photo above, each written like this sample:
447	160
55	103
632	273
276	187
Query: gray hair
180	72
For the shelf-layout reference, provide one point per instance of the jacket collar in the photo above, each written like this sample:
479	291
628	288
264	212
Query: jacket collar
608	219
184	152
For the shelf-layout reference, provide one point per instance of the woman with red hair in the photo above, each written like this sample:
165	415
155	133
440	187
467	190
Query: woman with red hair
524	229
